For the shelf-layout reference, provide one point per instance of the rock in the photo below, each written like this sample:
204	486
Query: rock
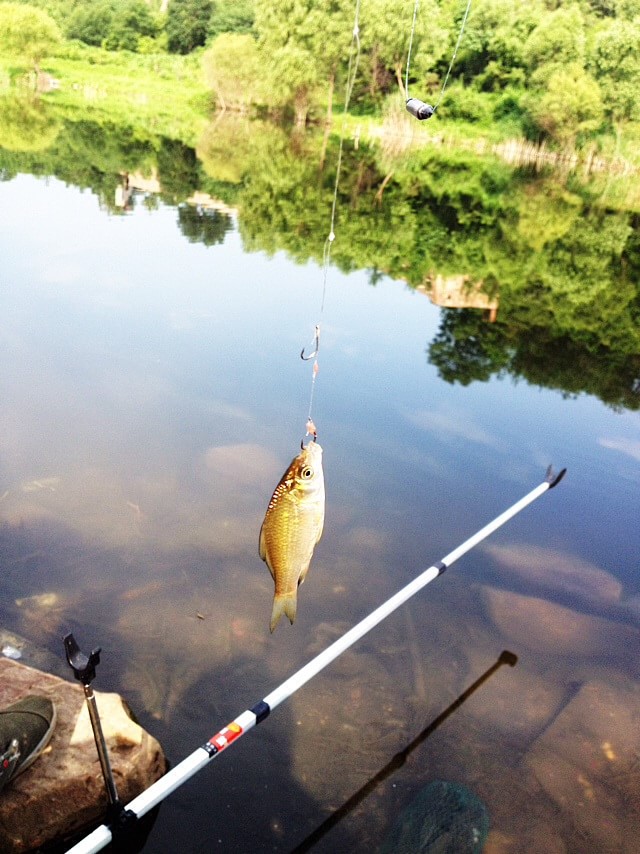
556	571
537	838
587	763
552	629
63	791
30	654
517	701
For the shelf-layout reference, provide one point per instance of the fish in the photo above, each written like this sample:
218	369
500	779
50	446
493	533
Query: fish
292	527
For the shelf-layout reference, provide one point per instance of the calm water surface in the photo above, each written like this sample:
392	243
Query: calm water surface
152	394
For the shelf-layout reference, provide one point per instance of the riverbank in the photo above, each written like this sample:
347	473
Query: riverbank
168	94
162	92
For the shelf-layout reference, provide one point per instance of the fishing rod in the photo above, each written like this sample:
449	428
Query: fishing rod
219	742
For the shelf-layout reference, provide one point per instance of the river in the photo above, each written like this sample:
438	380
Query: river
152	395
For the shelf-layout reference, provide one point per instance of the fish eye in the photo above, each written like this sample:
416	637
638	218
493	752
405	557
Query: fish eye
306	473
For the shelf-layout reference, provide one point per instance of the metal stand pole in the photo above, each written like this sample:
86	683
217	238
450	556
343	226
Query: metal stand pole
84	669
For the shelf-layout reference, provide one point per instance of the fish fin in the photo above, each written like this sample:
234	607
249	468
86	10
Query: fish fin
303	574
262	551
285	603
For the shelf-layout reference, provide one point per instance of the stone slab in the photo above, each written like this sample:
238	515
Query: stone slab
587	761
63	791
551	629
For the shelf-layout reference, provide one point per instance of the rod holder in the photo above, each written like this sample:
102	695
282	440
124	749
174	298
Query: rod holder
84	669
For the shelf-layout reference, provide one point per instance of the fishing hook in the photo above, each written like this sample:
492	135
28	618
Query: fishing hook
316	345
314	439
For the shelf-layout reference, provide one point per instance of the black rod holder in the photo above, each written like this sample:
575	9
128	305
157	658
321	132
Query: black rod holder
84	669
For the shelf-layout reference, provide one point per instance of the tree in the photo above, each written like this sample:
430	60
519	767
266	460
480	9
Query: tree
616	61
233	70
492	48
558	39
187	24
303	42
386	30
27	33
231	16
91	23
131	21
571	105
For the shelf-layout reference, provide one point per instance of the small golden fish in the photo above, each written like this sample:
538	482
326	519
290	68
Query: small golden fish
291	528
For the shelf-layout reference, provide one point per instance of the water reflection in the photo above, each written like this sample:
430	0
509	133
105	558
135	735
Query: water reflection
26	125
562	267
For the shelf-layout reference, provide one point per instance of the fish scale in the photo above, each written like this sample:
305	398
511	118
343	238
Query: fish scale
292	527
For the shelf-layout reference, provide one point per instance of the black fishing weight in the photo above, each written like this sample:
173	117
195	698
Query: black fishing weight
419	109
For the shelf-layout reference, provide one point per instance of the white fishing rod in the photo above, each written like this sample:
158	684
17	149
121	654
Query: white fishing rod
193	763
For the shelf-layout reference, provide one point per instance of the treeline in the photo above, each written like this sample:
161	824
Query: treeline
563	71
146	26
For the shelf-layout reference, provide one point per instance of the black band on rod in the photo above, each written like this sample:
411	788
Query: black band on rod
261	710
210	748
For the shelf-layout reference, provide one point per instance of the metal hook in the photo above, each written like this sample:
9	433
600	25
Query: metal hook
304	447
316	345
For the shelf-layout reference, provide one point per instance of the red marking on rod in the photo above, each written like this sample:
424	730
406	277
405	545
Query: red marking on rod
223	739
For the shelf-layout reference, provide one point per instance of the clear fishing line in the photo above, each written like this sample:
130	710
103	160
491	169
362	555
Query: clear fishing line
455	53
453	58
352	70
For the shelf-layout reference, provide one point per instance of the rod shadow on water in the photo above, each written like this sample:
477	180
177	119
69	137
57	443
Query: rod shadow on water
400	758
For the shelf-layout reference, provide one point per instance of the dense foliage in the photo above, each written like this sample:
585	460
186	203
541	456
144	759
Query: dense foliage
27	33
565	71
187	24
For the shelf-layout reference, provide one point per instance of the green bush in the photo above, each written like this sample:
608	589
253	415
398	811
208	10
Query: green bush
469	105
187	24
508	107
91	24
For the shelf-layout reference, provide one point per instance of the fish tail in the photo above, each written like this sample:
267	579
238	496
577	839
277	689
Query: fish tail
284	603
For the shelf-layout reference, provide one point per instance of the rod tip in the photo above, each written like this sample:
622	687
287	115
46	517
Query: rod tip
554	479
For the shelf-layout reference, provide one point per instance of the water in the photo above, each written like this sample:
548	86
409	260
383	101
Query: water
152	394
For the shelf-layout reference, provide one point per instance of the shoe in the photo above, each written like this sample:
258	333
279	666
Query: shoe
25	730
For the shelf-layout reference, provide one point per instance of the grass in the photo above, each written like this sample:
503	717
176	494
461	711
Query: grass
164	92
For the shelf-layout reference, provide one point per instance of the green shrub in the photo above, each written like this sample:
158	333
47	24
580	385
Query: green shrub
466	104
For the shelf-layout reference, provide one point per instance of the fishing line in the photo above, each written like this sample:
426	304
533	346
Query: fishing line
352	70
455	53
418	108
413	29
